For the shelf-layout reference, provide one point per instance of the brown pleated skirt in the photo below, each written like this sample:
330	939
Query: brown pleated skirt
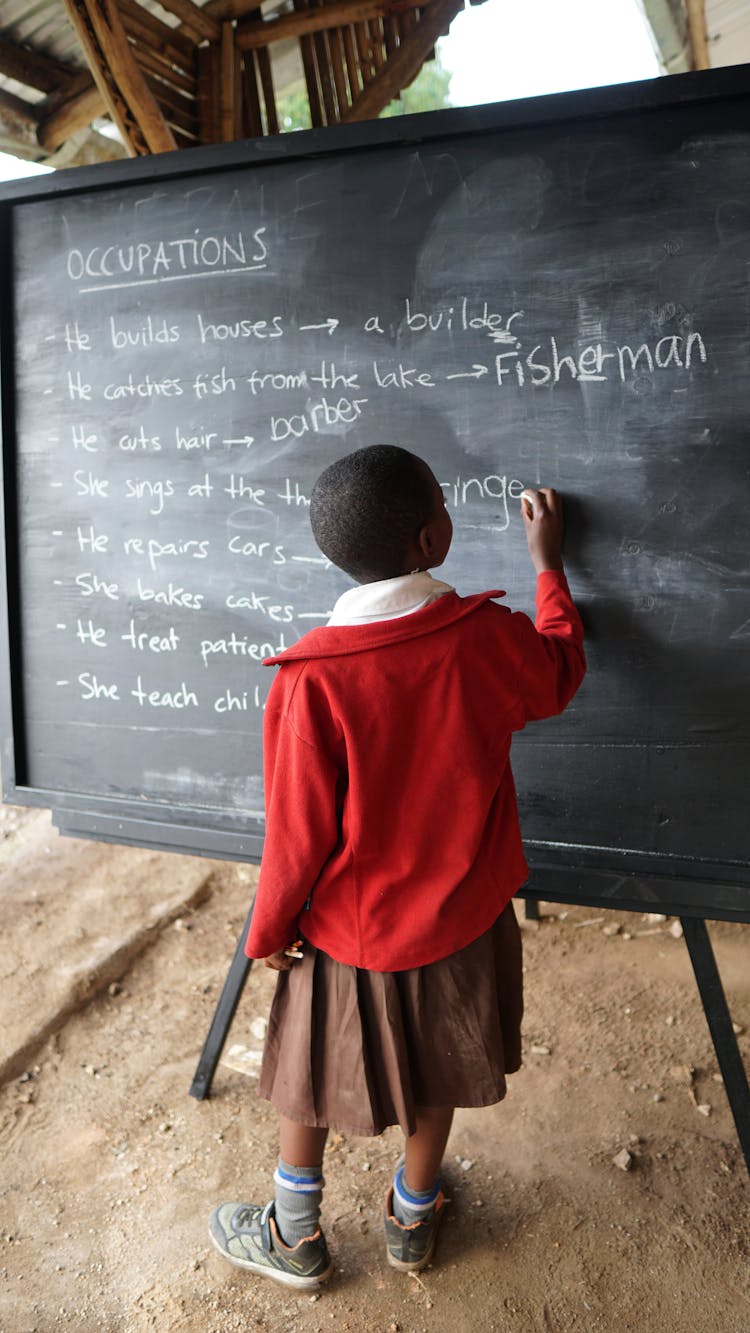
357	1050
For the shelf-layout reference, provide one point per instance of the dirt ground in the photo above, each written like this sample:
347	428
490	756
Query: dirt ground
109	1167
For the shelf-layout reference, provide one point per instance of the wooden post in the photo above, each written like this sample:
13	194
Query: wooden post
269	97
206	109
363	54
253	114
226	87
352	64
696	16
309	64
336	55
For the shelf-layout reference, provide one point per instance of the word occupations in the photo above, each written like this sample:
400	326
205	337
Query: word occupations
152	260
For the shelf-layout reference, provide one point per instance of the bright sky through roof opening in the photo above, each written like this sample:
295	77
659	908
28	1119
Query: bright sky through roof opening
13	167
504	49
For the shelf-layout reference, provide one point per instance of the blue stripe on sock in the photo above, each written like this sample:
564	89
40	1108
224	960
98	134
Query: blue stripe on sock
300	1184
414	1201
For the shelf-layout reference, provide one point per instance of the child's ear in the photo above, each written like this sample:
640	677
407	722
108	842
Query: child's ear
427	541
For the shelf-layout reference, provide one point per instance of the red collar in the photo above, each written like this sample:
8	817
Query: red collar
341	640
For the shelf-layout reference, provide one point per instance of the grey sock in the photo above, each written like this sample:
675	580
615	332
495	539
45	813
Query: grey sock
299	1191
412	1205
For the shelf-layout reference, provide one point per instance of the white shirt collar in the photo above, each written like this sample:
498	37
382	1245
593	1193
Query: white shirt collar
387	599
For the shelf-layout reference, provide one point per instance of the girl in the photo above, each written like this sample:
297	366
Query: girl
392	852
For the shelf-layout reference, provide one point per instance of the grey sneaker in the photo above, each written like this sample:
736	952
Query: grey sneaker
409	1248
246	1235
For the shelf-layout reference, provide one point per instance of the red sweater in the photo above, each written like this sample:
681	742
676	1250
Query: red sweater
392	834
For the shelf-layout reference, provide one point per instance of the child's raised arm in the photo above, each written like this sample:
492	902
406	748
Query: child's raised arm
542	513
551	657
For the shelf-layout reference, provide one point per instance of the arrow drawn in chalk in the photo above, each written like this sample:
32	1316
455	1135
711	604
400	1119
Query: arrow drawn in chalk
313	560
247	440
475	374
330	324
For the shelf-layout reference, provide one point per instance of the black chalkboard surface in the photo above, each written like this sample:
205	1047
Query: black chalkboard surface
546	292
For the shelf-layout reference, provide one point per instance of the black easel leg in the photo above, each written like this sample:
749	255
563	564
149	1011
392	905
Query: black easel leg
720	1025
530	909
222	1019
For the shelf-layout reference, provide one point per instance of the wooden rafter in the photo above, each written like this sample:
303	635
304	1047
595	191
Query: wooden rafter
252	33
402	67
170	43
17	127
121	83
209	78
164	69
62	116
18	136
228	10
18	61
194	19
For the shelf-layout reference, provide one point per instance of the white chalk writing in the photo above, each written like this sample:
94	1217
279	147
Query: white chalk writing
180	527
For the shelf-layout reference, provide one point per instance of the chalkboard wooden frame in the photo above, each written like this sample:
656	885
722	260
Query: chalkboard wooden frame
584	874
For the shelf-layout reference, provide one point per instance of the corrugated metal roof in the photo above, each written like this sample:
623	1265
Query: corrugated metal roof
727	28
44	25
728	23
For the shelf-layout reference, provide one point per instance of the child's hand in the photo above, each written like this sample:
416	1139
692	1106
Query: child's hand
279	962
542	514
284	959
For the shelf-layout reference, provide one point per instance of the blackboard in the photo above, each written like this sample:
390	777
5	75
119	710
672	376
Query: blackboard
551	292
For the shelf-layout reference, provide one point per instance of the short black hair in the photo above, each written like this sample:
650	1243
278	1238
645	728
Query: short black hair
368	507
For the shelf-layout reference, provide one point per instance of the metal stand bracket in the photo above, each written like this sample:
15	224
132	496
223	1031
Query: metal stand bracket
719	1022
222	1019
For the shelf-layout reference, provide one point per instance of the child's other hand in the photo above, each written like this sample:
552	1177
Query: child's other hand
542	513
285	958
279	962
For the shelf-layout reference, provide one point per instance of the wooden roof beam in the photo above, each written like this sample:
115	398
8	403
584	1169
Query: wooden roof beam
172	43
85	148
60	118
152	63
129	100
18	136
226	11
31	68
254	33
402	67
195	21
18	128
